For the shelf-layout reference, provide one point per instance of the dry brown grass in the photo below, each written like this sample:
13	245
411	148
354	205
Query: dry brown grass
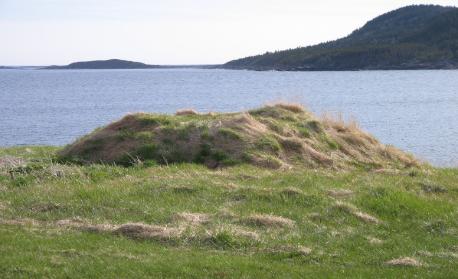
20	222
186	112
63	171
374	240
304	251
8	163
246	123
247	234
348	134
298	250
292	191
82	225
231	186
339	123
226	213
192	218
345	207
361	146
393	153
183	189
340	193
3	206
45	207
387	171
447	255
143	231
74	222
293	107
366	217
293	144
440	254
243	232
353	210
318	157
98	228
270	221
268	162
131	230
406	261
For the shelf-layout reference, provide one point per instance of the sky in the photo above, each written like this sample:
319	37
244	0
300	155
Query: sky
58	32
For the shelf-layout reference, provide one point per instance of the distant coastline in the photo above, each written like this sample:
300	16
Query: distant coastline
417	37
118	64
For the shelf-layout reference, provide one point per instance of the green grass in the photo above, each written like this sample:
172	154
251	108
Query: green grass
416	221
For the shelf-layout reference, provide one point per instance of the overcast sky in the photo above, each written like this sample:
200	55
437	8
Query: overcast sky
43	32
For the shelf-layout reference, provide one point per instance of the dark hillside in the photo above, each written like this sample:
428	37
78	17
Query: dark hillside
413	37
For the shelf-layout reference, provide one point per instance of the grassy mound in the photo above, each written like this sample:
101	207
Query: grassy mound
275	136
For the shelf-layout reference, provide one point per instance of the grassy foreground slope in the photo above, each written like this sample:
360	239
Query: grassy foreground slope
243	220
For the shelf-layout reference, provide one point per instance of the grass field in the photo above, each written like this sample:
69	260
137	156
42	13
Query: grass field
186	220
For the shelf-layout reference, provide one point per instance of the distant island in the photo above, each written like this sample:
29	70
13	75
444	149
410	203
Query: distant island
119	64
413	37
105	64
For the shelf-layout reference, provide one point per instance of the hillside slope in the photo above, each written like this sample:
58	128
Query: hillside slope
413	37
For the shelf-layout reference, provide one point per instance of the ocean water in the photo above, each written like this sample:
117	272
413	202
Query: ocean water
414	110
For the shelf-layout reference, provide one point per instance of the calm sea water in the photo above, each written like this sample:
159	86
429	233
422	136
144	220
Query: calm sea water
414	110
